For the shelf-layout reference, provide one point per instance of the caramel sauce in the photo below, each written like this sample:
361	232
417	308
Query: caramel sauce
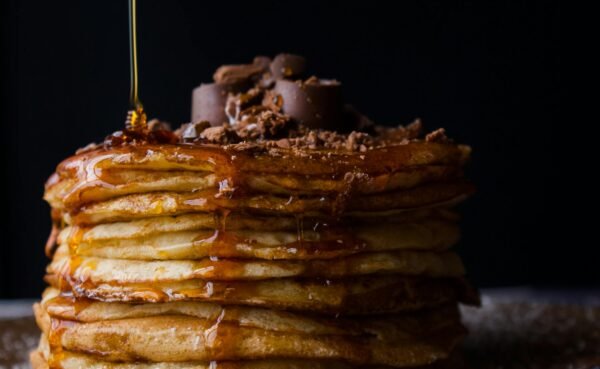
136	117
68	306
227	161
136	123
221	336
393	294
92	169
58	327
51	242
74	239
331	245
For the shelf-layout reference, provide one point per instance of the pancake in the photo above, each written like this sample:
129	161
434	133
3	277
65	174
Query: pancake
119	182
66	307
100	270
172	203
408	340
140	242
84	178
358	295
72	360
235	221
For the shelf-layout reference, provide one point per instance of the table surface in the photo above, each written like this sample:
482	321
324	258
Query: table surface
515	328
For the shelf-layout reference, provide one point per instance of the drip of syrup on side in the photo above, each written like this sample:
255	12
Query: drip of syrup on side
136	116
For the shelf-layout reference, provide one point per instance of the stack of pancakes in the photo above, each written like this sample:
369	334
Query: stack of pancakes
177	253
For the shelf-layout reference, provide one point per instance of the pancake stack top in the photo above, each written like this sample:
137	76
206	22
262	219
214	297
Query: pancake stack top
281	229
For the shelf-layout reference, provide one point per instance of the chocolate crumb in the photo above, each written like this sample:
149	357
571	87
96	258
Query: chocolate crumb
439	135
190	131
284	143
220	134
273	101
158	125
237	102
89	147
415	129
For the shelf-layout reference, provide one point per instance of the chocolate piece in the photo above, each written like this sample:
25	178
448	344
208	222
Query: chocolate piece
314	103
288	66
240	73
410	132
236	103
261	123
221	135
190	131
208	102
272	101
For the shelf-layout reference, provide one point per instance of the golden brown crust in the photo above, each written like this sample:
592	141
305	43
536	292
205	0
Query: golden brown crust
83	177
359	295
409	339
37	360
78	361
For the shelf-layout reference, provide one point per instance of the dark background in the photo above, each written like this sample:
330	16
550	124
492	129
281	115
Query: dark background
488	72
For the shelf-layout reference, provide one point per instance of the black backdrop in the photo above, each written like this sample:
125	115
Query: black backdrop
488	73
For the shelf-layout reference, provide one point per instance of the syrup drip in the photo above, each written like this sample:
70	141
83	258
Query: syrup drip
136	117
57	330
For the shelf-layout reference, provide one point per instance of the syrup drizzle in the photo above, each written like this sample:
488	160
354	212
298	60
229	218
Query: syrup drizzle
136	117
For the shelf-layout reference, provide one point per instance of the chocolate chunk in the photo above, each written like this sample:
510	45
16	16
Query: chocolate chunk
238	102
288	66
314	103
221	135
356	141
272	100
259	122
409	132
240	73
190	131
208	102
284	143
